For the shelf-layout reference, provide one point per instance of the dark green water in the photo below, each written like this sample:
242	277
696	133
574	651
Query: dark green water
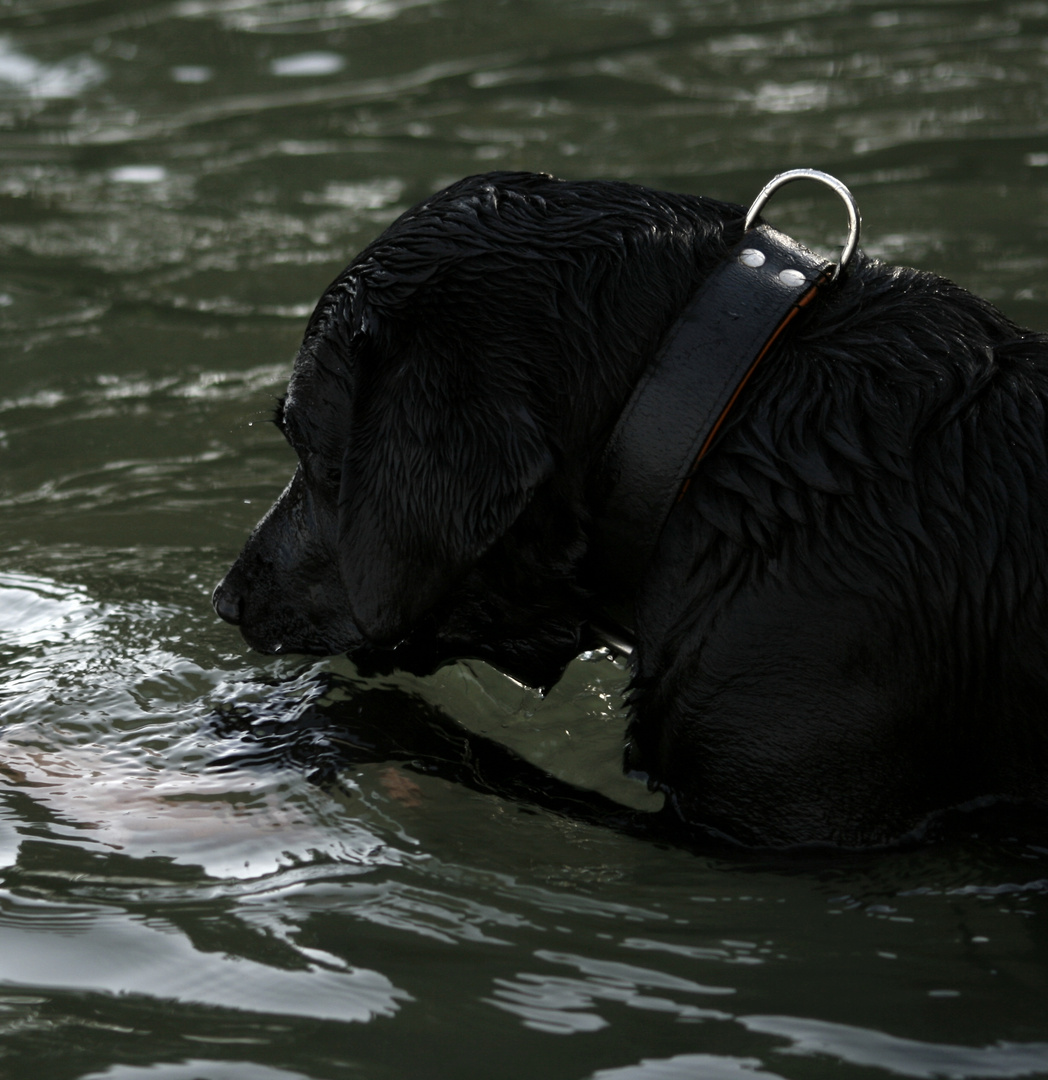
178	181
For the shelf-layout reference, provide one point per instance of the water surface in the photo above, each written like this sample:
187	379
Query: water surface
178	182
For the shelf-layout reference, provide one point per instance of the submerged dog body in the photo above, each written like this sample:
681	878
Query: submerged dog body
843	627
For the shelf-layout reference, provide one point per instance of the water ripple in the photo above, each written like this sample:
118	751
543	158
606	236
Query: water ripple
116	955
901	1057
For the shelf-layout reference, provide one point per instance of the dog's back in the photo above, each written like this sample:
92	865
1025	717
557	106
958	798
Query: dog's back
864	636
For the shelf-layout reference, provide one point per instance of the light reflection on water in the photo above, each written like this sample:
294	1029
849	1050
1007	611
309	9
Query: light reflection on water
178	182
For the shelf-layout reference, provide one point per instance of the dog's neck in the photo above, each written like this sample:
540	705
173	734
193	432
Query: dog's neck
679	404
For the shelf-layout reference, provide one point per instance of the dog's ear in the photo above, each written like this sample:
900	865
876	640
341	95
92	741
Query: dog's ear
437	469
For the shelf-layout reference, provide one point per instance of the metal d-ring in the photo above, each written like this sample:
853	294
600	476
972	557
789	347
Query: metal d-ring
854	218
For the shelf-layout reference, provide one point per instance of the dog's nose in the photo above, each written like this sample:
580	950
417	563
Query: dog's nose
227	603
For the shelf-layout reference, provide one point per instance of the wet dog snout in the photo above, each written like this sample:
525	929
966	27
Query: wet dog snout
228	603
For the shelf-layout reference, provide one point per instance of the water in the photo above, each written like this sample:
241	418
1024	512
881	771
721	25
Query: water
178	182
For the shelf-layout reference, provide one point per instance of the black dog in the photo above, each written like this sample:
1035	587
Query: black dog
843	627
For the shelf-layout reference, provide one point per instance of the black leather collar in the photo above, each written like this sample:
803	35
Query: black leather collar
676	410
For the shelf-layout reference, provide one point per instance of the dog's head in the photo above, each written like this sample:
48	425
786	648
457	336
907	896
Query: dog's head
448	404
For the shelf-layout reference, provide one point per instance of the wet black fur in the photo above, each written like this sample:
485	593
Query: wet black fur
843	630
